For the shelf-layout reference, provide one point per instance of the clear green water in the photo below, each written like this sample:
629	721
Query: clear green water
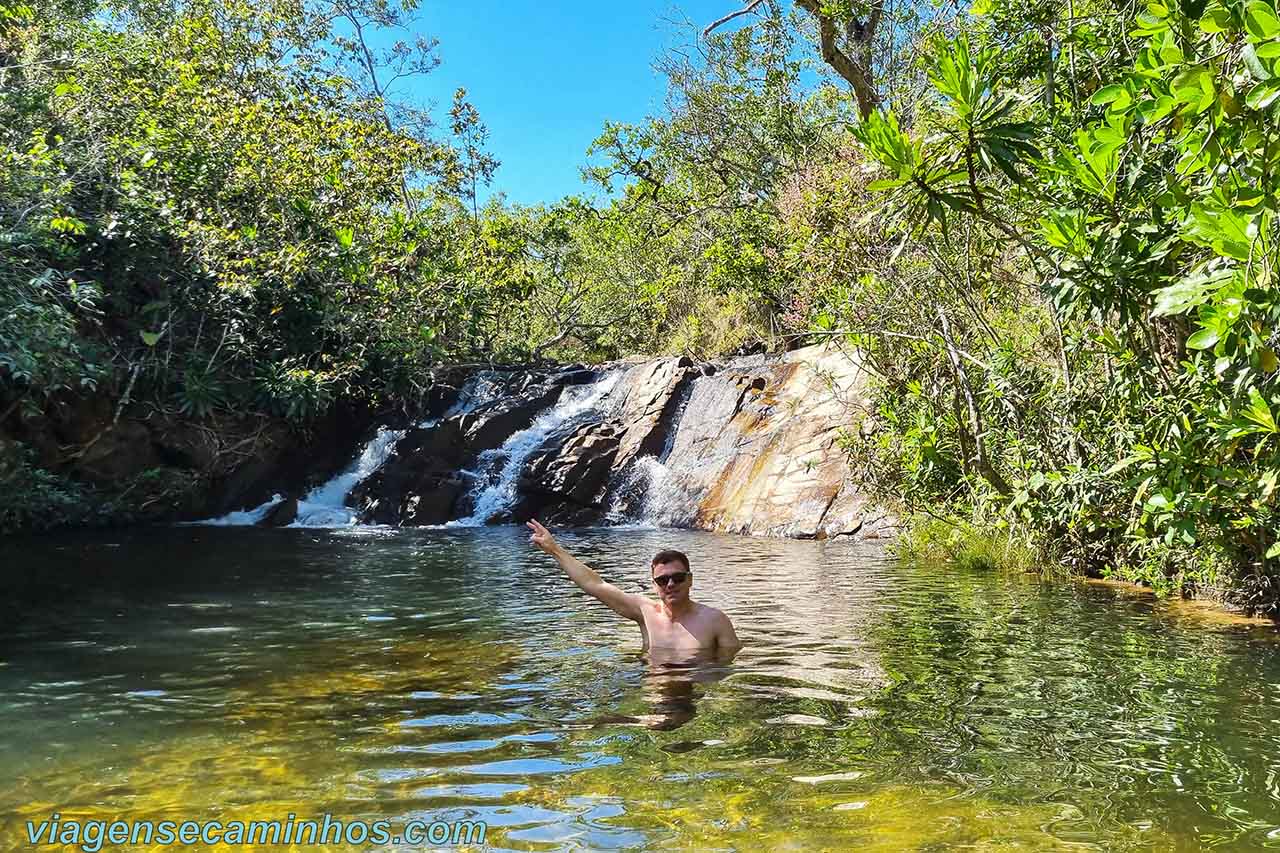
245	674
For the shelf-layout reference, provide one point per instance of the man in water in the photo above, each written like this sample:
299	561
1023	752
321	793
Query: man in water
674	621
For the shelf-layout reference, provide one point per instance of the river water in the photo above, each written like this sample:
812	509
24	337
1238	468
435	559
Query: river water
245	674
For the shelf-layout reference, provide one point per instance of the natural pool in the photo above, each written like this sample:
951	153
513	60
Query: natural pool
244	674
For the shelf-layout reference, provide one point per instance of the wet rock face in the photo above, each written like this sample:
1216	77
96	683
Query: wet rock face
578	470
761	455
748	446
420	483
648	414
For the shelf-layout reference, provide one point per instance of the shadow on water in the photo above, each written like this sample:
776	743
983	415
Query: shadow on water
455	674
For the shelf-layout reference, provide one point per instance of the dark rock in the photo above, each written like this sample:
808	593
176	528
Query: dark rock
708	370
575	377
490	425
281	514
431	500
282	459
440	397
560	515
684	361
578	470
419	484
443	441
118	453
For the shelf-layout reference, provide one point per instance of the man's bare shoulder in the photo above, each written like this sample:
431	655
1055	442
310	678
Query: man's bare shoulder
713	614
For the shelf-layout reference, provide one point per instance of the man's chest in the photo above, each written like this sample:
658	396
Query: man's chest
688	631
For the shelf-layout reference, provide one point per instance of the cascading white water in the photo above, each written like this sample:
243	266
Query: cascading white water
325	505
662	501
241	517
650	495
496	486
480	389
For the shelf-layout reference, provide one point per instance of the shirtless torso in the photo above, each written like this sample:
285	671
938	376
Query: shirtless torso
700	627
673	621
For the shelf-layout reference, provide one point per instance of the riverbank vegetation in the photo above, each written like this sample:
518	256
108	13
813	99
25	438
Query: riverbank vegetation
1049	227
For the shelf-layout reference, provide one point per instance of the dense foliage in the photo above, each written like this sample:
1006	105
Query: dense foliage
1127	422
1049	228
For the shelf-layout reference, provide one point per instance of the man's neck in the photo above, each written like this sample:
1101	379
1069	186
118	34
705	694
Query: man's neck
678	609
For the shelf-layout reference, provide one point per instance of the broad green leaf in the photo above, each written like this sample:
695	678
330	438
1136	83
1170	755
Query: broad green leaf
1190	292
1203	339
1273	551
1270	50
1122	464
150	338
1107	94
1170	50
1261	22
1189	86
1259	412
1263	95
1215	20
1229	232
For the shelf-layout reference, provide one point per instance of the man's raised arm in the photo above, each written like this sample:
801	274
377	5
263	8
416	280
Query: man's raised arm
622	603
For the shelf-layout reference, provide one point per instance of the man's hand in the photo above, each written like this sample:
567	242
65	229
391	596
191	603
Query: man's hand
541	537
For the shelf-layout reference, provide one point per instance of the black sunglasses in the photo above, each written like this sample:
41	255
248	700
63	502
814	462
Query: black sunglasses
674	579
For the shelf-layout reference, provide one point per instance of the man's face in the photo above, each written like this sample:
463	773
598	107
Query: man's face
672	581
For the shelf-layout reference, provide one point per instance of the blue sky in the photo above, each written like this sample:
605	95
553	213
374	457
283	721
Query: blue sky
546	76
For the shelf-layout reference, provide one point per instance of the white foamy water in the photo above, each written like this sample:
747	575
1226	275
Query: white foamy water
498	487
242	517
325	505
662	501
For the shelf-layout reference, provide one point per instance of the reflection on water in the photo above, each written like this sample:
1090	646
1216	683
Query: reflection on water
248	674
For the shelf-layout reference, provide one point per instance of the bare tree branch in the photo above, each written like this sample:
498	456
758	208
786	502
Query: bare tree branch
745	10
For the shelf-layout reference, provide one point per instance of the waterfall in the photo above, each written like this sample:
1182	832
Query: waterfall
499	470
326	504
241	517
648	494
751	445
652	496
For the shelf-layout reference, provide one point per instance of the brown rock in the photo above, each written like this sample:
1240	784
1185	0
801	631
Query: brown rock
758	449
648	413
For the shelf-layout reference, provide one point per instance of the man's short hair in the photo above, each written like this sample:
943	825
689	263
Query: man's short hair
669	555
